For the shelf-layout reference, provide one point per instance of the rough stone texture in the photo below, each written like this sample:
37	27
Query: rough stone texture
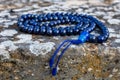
25	56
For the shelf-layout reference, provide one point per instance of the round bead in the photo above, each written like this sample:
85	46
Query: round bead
100	39
49	31
42	30
55	31
30	29
92	39
69	31
62	31
76	31
36	29
25	29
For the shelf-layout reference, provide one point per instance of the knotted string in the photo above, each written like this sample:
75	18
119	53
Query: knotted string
81	39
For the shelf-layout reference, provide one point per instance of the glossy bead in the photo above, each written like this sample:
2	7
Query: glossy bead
58	21
51	24
69	31
42	30
92	39
24	16
100	39
76	31
36	30
62	31
49	31
55	31
19	24
21	20
30	29
29	15
25	28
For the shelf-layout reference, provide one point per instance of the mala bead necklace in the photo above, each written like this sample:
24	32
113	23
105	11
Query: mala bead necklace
44	24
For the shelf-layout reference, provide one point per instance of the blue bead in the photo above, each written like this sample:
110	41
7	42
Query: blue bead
55	17
76	31
42	30
20	24
45	18
51	24
92	39
100	39
60	17
58	21
21	20
30	29
69	31
24	16
40	18
49	31
62	31
25	28
63	21
36	30
55	31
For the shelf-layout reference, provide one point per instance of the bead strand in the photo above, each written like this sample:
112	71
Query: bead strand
44	24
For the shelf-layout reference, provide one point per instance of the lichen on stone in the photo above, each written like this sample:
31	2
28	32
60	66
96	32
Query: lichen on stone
41	48
8	32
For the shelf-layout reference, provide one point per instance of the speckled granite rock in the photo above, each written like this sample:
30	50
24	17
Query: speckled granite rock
25	57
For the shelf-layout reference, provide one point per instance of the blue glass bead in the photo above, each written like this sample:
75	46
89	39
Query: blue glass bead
47	25
55	31
79	25
49	31
63	21
21	20
21	27
55	23
56	13
25	29
58	21
42	30
62	31
69	31
100	39
36	16
36	29
29	15
60	17
30	29
24	16
40	18
20	24
55	17
33	16
51	24
32	22
76	31
92	39
45	18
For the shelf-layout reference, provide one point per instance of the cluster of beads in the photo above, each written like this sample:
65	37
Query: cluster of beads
44	24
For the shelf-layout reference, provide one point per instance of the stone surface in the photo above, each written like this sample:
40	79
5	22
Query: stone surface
25	56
